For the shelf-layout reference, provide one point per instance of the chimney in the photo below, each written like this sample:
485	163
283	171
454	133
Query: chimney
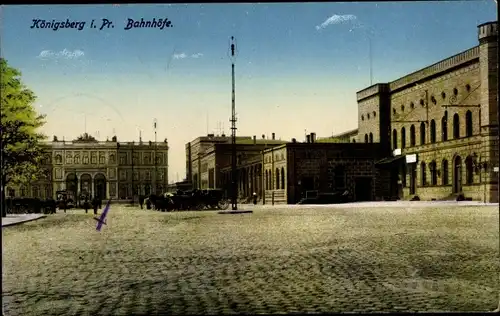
254	140
273	136
313	137
308	138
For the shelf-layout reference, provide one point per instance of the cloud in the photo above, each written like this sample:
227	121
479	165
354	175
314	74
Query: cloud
183	56
66	54
180	56
336	19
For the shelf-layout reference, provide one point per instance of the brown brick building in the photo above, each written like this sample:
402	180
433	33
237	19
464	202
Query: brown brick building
293	169
442	122
111	169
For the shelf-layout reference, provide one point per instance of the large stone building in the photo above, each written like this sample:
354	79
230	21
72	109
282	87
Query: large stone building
441	122
205	159
110	169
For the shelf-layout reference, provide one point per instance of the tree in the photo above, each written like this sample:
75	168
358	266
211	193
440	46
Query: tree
19	129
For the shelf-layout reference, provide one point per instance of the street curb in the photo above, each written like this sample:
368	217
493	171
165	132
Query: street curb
24	221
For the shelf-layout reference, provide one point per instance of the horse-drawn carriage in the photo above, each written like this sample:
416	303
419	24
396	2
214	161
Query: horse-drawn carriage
211	199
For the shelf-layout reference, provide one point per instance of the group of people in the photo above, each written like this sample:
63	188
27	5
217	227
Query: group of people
96	203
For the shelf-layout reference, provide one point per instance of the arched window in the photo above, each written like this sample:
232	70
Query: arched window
444	172
468	124
394	139
58	159
366	138
456	126
277	179
469	170
371	138
77	159
282	178
412	135
433	131
403	137
422	133
444	127
433	169
423	174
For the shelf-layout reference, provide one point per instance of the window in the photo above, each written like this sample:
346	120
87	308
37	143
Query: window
69	159
371	138
123	175
394	111
148	175
468	124
36	191
444	172
443	95
94	159
423	174
158	160
422	103
455	91
282	178
58	159
433	131
412	105
136	175
374	114
366	138
102	160
362	117
469	171
467	87
432	167
403	176
112	158
444	127
123	160
456	126
412	135
402	108
23	191
394	139
147	160
85	159
77	159
422	133
277	179
403	137
368	116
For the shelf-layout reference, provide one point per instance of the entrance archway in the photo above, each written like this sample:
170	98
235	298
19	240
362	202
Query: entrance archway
457	174
86	184
72	183
100	186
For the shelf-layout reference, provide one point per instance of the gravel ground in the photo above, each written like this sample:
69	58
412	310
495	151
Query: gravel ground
276	260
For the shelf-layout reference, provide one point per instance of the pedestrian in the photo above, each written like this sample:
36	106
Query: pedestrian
95	204
100	202
255	198
141	200
86	204
65	203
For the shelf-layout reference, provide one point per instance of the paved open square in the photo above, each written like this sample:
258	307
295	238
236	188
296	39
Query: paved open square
339	258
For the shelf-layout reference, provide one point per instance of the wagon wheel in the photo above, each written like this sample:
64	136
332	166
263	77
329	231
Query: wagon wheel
223	204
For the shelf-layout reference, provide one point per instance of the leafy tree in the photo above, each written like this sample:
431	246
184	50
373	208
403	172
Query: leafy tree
19	129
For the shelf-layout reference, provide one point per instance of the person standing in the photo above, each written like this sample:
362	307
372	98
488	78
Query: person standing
95	204
86	204
141	200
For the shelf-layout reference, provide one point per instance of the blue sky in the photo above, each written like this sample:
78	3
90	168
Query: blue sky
294	71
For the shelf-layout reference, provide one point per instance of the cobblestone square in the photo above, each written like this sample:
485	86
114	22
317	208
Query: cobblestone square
281	259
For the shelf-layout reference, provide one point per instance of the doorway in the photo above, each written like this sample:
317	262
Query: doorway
363	189
413	178
457	174
100	186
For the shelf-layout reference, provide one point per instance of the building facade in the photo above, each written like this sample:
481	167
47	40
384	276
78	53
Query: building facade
441	124
293	169
109	169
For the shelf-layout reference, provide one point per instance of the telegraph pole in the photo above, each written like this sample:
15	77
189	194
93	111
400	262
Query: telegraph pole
133	191
234	182
156	167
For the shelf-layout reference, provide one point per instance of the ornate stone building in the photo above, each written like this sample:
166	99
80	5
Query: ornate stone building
110	169
441	123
